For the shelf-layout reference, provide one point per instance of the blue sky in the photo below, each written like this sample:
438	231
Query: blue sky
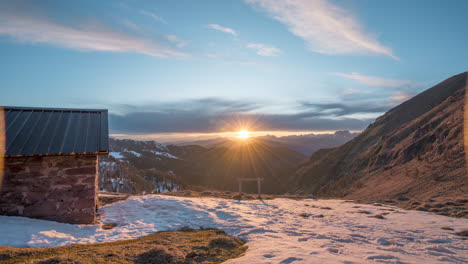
194	66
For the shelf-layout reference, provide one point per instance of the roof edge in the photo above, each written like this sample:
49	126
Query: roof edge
53	109
59	154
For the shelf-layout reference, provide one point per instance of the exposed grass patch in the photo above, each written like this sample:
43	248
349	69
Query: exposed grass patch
59	261
236	195
108	226
224	242
379	216
110	199
463	233
363	212
200	246
326	208
305	215
159	255
447	228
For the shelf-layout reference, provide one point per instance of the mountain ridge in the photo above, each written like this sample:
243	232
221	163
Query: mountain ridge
305	143
398	152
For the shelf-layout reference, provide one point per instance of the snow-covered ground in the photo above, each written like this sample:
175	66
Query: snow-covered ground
165	154
116	155
274	229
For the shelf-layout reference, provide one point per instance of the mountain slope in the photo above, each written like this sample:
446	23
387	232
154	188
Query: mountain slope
309	143
136	166
415	149
220	166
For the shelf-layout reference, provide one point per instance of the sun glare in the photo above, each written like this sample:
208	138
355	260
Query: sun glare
243	134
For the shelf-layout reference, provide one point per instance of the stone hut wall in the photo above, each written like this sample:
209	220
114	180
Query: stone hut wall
58	188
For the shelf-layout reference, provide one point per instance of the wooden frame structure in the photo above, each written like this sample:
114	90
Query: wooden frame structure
258	180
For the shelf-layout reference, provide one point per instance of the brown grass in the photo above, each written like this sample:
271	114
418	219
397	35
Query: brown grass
224	242
364	212
105	200
200	246
447	228
379	216
236	195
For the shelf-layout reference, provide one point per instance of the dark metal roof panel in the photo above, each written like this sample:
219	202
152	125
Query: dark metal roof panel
54	131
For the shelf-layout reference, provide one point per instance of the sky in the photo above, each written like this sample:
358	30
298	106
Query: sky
177	69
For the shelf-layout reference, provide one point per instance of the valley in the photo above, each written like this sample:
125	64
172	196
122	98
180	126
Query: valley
147	166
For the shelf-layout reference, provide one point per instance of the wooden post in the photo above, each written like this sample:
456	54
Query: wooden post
240	186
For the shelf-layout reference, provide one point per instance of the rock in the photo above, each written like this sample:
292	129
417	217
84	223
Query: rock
402	198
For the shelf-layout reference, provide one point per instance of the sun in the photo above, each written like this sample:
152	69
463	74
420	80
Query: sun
243	134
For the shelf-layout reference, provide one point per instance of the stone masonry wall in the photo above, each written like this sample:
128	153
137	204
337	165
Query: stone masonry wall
58	188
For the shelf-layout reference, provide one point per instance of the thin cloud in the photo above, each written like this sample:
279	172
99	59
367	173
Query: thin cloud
378	81
180	43
153	16
131	25
223	29
264	50
213	114
29	28
340	109
399	97
350	91
325	27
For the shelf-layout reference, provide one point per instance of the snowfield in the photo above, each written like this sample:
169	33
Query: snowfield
277	231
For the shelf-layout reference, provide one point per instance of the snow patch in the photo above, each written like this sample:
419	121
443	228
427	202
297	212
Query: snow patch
134	153
116	155
274	230
165	154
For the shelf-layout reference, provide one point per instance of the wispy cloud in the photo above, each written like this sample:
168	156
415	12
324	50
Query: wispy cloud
350	91
216	115
264	50
32	28
131	25
153	16
325	27
399	97
223	29
180	43
378	81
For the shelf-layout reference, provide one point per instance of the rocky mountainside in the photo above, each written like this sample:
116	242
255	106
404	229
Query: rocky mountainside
142	166
415	150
